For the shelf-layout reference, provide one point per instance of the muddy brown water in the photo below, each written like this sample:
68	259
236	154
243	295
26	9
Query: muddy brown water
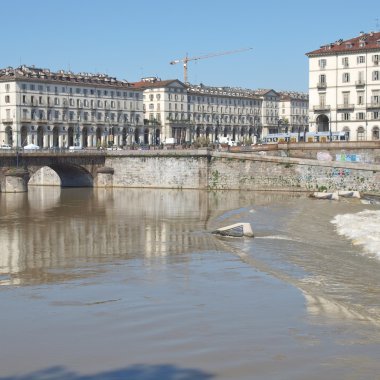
130	284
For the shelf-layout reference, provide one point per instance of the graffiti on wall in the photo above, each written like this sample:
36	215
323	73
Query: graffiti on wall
340	172
348	157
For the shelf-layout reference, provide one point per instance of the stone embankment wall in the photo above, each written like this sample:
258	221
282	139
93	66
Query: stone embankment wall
255	172
160	169
369	151
238	171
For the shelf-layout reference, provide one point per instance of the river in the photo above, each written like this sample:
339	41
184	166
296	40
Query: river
131	284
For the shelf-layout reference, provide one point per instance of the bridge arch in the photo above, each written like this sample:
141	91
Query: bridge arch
69	175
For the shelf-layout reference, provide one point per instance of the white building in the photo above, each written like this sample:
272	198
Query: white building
165	106
294	111
62	109
197	112
344	87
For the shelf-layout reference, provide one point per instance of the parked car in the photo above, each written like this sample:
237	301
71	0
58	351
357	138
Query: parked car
74	147
5	146
31	147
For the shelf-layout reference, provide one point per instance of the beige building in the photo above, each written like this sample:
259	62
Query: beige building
294	111
344	87
62	109
188	112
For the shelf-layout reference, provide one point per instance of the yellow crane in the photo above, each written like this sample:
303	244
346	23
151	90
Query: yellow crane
187	59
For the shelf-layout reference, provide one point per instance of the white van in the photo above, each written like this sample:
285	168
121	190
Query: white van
75	147
5	146
226	140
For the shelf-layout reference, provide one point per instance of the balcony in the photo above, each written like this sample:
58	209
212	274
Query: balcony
7	120
321	108
42	120
345	106
373	105
360	83
321	85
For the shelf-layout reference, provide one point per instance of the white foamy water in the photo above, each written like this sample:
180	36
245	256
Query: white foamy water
362	228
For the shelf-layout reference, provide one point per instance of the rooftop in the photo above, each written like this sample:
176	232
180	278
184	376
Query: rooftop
33	73
363	42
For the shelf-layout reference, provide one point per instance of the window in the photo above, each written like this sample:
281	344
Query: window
375	115
23	87
360	133
346	77
32	87
77	90
322	63
7	99
322	100
375	75
360	116
346	98
322	79
7	87
360	98
375	59
345	62
361	59
40	88
346	116
375	133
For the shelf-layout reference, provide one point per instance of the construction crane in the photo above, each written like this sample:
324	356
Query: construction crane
187	59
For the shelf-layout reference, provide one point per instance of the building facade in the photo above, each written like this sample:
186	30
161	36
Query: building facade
189	113
62	109
294	111
344	87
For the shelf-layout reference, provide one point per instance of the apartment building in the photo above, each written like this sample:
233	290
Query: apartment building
216	112
189	112
294	111
165	107
62	109
344	87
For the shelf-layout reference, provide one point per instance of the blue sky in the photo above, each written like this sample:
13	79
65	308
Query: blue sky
134	39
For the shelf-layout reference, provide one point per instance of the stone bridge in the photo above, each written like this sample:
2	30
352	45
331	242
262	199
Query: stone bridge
75	169
285	169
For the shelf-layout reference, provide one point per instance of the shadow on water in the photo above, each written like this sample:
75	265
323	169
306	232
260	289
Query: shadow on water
135	372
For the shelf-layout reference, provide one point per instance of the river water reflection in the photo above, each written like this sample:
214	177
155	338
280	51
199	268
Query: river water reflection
129	283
